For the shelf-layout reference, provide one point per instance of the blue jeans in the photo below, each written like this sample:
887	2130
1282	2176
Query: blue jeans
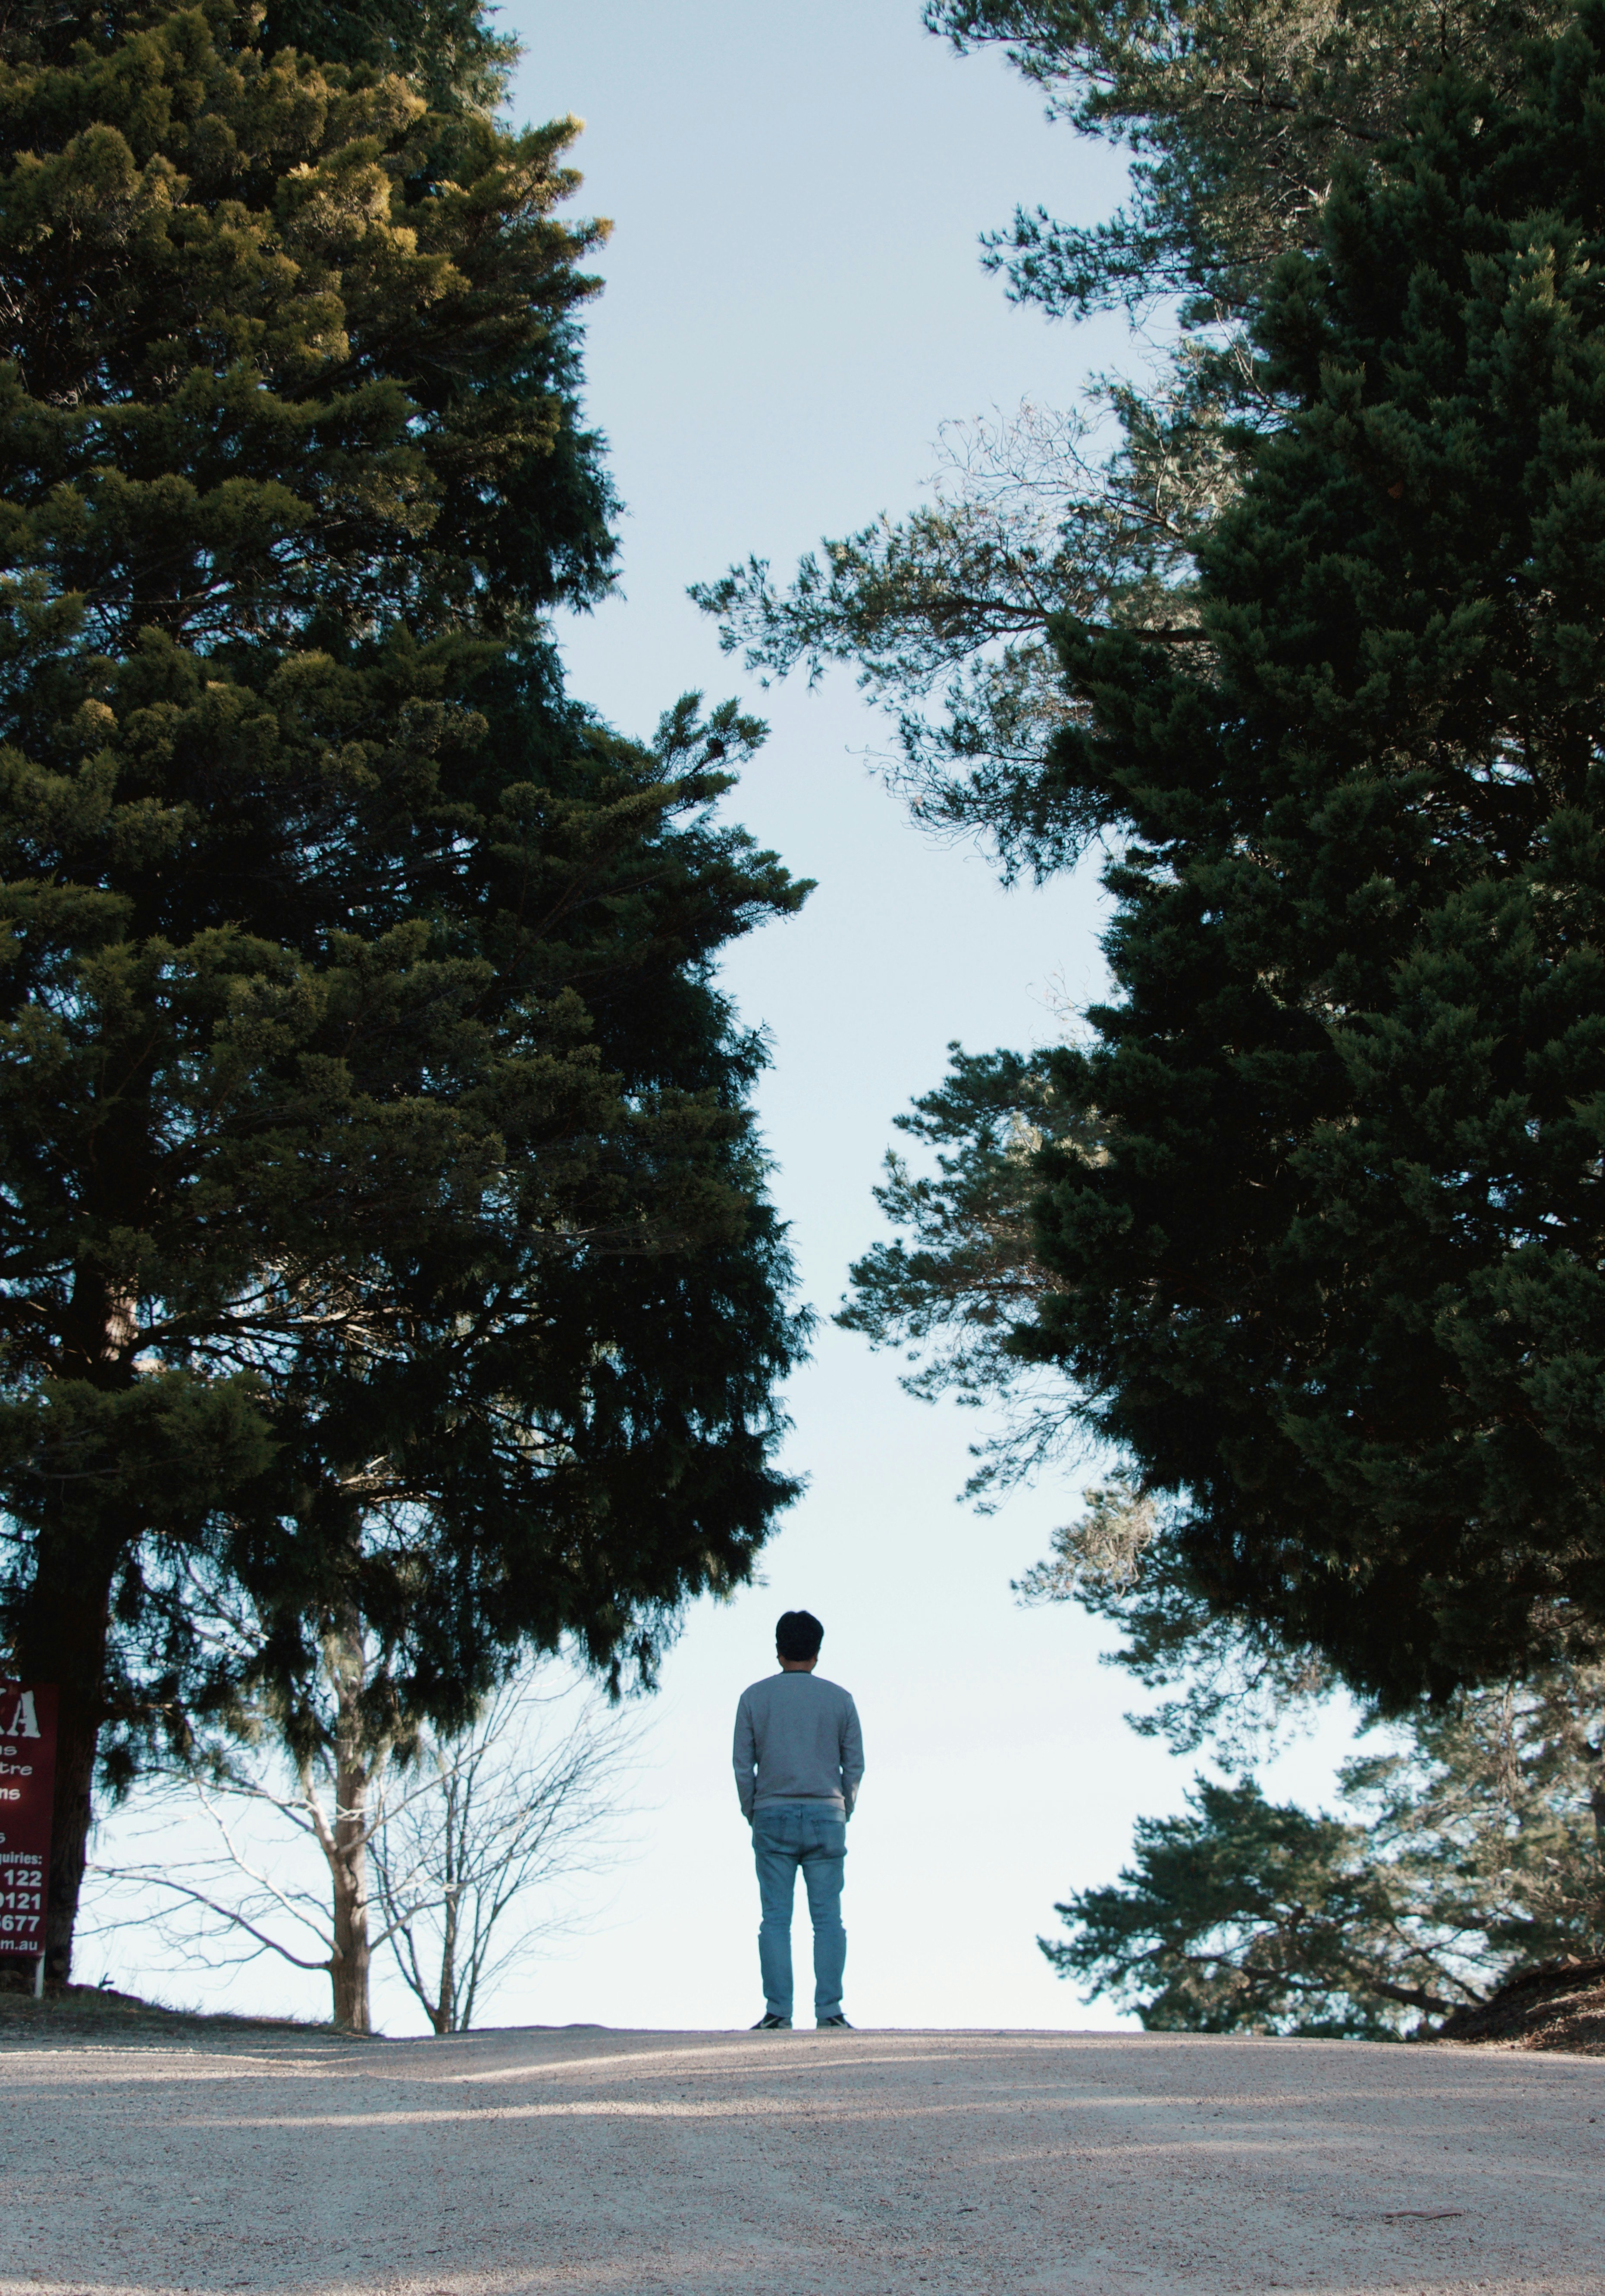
813	1835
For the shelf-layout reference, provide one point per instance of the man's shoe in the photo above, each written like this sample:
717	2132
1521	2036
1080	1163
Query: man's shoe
771	2024
836	2024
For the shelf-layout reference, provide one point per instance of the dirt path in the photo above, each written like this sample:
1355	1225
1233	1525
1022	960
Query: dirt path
661	2164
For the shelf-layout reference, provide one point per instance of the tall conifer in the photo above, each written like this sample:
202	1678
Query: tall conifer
384	1243
1314	1215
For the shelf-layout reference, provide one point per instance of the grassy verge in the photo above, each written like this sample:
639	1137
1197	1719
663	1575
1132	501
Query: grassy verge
95	2013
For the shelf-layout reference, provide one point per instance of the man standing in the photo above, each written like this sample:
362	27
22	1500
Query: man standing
799	1757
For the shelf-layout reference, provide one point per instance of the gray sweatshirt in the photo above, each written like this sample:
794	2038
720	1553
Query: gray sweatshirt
797	1739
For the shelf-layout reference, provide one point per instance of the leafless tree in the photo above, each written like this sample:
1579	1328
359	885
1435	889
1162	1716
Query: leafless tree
513	1806
455	1832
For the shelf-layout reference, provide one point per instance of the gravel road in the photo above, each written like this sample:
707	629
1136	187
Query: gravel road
866	2164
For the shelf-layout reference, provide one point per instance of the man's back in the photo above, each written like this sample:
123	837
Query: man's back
797	1739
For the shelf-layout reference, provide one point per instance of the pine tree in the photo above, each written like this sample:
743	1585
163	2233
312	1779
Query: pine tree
1315	1214
1469	1848
1337	1276
384	1233
447	50
1233	115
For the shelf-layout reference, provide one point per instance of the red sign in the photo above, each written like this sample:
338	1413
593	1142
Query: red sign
28	1738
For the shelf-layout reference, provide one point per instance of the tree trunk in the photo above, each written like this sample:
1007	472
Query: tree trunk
444	2019
63	1622
350	1963
349	1966
61	1638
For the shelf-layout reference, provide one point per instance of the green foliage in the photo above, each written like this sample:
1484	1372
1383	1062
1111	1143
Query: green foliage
1031	519
974	1274
1473	1847
1236	113
1232	1683
963	1297
1247	1916
382	1228
448	51
1337	1277
446	48
1333	1279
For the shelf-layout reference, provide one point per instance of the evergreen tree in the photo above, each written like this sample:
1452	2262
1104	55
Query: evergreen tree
1337	1277
1472	1847
1245	1915
449	49
1314	1212
383	1233
1235	114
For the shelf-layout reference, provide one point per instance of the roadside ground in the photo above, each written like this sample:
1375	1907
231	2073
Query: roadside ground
143	2159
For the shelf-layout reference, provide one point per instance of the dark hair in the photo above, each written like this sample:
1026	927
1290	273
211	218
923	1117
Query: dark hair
798	1634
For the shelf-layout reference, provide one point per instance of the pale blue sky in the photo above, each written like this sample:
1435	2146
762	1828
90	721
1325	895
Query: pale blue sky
795	304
